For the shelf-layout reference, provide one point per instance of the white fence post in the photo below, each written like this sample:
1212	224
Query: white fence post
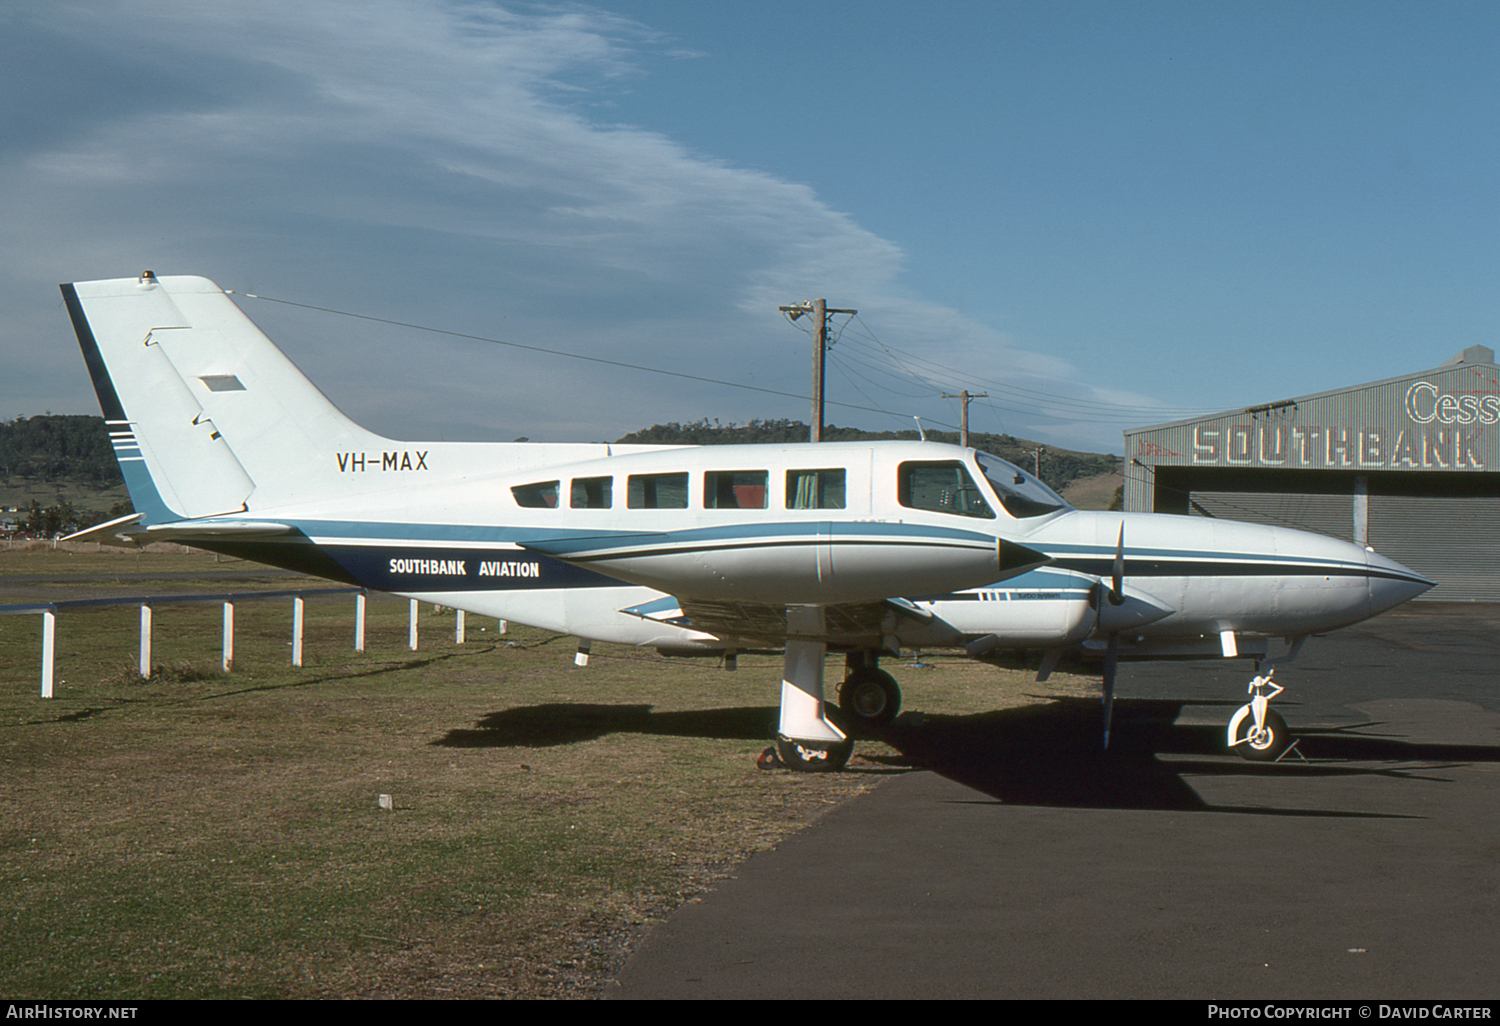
228	636
49	626
412	628
49	650
458	629
297	614
145	642
359	622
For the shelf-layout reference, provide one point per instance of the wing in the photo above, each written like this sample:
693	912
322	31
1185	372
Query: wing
890	623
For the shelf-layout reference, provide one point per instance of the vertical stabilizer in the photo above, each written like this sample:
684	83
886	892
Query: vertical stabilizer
207	416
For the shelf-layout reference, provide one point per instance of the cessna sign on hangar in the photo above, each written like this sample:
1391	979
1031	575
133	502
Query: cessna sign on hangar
1377	463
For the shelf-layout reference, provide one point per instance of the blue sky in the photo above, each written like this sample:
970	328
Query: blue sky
1104	214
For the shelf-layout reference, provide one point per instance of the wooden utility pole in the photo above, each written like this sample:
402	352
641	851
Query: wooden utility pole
963	417
820	347
818	308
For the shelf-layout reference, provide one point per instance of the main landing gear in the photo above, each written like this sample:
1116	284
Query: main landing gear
869	698
807	740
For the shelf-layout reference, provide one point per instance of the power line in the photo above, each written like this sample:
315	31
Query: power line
551	352
1022	404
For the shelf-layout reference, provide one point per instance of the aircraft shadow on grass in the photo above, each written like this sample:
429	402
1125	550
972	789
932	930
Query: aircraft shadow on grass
1044	755
564	723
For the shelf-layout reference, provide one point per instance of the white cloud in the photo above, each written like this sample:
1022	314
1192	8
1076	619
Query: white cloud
436	162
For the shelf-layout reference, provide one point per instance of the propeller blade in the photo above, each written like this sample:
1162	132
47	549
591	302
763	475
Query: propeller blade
1111	654
1117	582
1112	648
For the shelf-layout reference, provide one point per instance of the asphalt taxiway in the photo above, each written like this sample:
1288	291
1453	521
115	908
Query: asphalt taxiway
1017	860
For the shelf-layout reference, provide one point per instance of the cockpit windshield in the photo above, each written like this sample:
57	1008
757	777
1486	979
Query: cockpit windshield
1019	493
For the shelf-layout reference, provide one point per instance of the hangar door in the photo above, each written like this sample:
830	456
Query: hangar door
1325	514
1453	540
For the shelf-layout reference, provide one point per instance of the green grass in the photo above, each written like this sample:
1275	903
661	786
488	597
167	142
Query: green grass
206	835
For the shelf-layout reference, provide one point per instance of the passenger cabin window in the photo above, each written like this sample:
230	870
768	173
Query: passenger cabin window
542	495
734	489
593	492
1021	494
815	489
942	488
657	491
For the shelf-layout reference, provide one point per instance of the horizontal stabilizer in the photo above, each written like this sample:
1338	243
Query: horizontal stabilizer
116	531
126	531
186	530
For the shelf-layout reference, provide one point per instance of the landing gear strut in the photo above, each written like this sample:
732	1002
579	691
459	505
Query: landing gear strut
806	739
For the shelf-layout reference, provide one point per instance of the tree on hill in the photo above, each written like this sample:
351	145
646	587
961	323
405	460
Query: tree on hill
50	521
51	447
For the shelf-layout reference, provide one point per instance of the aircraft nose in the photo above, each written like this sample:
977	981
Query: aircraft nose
1391	583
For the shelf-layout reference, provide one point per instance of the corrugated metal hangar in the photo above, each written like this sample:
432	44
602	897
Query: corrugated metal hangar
1409	466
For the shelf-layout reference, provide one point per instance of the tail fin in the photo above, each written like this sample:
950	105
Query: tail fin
203	410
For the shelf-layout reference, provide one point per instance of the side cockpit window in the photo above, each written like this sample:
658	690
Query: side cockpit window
944	487
815	489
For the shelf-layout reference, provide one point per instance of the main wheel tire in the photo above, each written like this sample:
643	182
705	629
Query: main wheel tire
869	699
821	757
1267	745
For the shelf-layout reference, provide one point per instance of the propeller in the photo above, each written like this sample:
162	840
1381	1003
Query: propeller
1116	596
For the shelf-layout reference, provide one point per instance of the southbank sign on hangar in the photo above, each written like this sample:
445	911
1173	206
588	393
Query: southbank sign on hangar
1410	466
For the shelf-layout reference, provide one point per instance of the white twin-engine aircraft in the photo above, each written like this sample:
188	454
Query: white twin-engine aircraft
862	548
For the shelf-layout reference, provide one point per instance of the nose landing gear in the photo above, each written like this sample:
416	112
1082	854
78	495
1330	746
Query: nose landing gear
1257	732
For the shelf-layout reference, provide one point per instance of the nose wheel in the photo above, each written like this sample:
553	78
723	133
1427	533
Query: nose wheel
1256	731
1265	743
